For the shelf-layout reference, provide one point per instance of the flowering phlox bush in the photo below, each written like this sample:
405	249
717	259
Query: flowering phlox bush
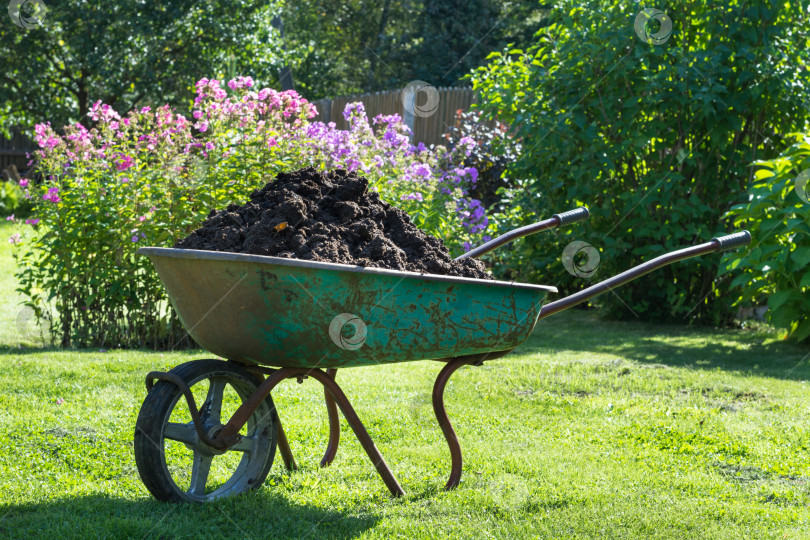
151	176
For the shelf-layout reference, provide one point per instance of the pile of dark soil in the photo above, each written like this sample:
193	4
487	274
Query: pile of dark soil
330	217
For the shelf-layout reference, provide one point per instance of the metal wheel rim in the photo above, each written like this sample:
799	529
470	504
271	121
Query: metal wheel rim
252	462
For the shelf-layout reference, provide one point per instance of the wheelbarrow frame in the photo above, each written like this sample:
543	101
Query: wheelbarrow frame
336	399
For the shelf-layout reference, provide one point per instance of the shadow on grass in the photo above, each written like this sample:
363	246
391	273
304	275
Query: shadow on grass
739	351
15	350
262	514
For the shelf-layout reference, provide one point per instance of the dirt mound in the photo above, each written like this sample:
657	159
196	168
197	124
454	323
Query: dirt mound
329	217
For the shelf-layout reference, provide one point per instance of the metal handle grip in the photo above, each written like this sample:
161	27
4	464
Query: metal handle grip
572	216
732	241
557	220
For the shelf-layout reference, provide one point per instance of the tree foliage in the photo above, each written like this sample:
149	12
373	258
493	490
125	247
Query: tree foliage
656	140
127	54
345	47
777	212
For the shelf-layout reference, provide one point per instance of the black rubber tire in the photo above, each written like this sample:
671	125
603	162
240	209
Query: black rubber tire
155	413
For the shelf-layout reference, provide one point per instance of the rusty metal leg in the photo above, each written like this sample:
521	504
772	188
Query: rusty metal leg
230	433
334	423
444	421
284	448
359	431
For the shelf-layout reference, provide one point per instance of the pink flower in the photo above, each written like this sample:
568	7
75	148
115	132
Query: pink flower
124	162
202	126
271	142
60	401
197	114
14	239
52	195
10	218
142	218
209	146
32	222
145	110
125	180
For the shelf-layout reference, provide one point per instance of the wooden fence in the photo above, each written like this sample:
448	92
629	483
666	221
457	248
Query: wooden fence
427	129
12	152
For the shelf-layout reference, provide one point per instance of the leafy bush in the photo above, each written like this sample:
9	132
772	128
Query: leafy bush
12	199
655	139
149	178
492	154
777	267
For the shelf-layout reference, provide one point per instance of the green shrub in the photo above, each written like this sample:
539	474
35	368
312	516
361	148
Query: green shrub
656	140
777	267
12	199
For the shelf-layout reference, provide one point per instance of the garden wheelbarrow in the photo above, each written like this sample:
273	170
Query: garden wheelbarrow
276	318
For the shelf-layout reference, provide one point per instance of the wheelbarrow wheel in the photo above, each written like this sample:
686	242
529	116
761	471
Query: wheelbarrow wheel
172	461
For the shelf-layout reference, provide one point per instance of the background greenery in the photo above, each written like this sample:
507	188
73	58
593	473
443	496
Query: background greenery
776	270
129	54
150	53
657	140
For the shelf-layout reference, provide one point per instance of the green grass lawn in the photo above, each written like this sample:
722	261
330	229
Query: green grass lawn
591	429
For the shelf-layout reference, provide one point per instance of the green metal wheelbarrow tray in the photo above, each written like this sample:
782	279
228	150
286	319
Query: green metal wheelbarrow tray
276	318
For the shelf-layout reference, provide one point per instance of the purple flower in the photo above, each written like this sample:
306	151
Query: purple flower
468	144
415	196
197	114
10	218
32	222
14	239
134	238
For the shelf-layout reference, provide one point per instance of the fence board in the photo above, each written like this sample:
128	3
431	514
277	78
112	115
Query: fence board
428	129
13	150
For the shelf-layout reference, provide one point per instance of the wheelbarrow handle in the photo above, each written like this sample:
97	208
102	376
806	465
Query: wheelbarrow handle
715	245
557	220
732	241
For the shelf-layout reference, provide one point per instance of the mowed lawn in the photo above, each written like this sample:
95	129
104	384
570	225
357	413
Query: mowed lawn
591	429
